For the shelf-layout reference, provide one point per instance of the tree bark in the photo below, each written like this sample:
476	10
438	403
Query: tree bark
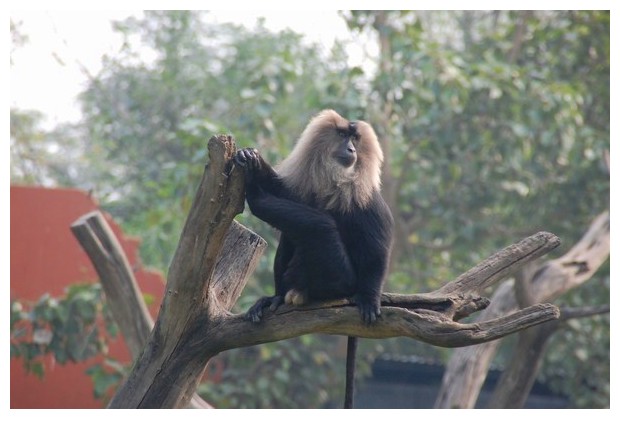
117	280
166	373
467	368
517	380
235	263
207	276
469	365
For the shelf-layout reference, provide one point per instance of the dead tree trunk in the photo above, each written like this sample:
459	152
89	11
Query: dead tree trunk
195	323
467	369
517	380
123	296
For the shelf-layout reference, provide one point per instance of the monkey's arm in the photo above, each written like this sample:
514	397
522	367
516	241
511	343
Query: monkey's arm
258	173
373	244
264	189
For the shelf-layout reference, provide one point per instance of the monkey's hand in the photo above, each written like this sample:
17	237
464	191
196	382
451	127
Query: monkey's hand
255	313
369	310
249	160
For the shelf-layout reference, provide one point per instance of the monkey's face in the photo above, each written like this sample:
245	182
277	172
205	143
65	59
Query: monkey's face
345	152
335	163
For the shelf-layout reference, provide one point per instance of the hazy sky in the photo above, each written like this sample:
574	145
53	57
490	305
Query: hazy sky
46	74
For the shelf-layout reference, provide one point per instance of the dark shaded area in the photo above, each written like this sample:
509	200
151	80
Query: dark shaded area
413	382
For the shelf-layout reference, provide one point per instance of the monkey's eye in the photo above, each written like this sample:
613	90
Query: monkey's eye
342	133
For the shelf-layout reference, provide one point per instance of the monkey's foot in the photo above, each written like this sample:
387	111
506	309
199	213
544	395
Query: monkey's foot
370	311
295	297
255	313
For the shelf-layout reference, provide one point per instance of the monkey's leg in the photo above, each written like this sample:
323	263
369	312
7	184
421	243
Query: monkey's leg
283	277
327	267
294	281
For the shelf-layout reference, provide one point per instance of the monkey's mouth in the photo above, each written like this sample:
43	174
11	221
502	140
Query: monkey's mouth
346	159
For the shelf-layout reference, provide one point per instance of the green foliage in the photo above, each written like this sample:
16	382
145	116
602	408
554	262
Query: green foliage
493	135
290	374
26	142
106	377
73	328
489	141
577	362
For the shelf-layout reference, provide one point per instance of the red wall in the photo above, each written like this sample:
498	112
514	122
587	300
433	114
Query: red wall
46	258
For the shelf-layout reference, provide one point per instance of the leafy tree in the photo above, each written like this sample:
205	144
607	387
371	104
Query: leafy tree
495	130
42	157
27	146
72	328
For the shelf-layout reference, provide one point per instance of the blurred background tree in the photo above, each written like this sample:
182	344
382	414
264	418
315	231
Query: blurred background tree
494	126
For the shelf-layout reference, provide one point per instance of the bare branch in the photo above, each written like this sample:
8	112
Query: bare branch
502	264
117	279
341	319
467	368
165	375
567	313
119	285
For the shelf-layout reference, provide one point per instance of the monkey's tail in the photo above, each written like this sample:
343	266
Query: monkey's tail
350	374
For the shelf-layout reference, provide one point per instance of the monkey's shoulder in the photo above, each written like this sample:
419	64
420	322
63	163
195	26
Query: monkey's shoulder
374	220
377	211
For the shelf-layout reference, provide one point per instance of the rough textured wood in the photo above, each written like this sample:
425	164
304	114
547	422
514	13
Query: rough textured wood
423	325
502	264
234	266
467	368
426	317
236	261
117	279
519	377
166	373
469	365
572	269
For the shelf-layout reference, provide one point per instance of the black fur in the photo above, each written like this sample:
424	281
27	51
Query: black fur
322	254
